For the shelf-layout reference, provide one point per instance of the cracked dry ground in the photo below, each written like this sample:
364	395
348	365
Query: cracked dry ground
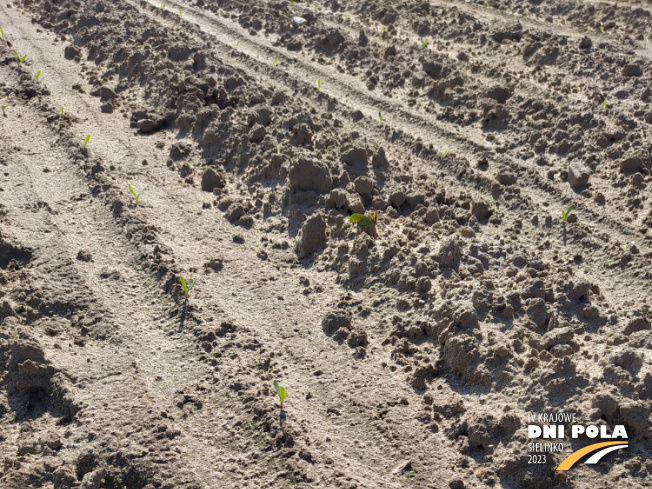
409	361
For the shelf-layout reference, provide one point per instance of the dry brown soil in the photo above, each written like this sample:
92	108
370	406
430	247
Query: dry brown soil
411	360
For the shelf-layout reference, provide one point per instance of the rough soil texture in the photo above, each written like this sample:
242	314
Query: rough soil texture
409	361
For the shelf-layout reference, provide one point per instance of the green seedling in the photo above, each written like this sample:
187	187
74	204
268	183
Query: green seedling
346	19
444	153
564	214
61	114
380	116
604	104
3	109
275	61
368	223
20	58
2	33
237	44
382	29
37	74
602	29
424	43
186	288
88	138
163	6
319	83
180	13
136	195
282	394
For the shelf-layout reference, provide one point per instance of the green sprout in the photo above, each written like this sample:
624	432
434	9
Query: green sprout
3	109
368	223
282	394
382	29
564	214
20	58
136	195
346	19
2	33
319	83
602	29
604	104
444	153
380	115
236	45
37	74
88	137
186	288
163	6
275	61
61	114
424	43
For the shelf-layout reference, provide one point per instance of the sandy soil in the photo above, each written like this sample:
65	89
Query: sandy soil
410	360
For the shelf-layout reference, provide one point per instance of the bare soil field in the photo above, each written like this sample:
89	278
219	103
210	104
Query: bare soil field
413	349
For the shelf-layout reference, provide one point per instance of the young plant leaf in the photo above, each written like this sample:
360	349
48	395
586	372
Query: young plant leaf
237	44
319	83
382	29
282	394
61	115
88	138
424	43
604	104
380	115
444	153
2	33
362	220
136	195
564	214
186	288
3	109
20	58
275	61
37	75
180	13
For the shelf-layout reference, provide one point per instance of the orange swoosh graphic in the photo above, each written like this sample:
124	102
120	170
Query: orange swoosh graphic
575	456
